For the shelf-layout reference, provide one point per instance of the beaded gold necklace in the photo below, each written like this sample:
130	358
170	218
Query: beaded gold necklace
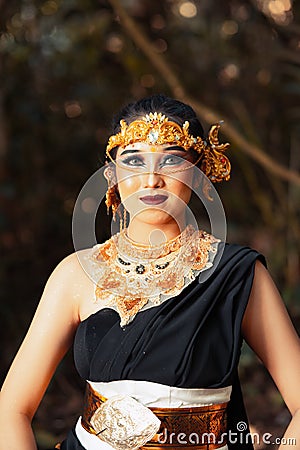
130	275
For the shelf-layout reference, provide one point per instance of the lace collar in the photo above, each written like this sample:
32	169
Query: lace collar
130	277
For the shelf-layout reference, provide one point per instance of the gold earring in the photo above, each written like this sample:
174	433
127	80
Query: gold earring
112	195
112	200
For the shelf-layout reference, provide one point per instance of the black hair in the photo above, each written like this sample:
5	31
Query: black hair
175	110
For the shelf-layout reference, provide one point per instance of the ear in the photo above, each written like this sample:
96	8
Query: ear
109	174
197	179
201	180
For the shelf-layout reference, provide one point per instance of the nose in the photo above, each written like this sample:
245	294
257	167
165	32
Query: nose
152	180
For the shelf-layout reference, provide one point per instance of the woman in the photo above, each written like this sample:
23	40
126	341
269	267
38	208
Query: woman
158	344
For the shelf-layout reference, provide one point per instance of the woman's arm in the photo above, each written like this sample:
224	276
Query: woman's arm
270	333
48	338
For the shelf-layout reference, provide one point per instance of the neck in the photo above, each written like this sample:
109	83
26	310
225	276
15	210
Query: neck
154	234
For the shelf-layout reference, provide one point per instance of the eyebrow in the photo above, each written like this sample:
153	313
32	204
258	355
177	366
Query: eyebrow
175	147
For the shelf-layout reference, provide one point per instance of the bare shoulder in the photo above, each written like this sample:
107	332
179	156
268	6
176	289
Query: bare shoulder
72	263
72	275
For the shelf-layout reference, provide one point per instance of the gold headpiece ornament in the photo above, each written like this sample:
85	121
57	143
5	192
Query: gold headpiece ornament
156	129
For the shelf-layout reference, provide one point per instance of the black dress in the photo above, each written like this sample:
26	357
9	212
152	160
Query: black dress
192	340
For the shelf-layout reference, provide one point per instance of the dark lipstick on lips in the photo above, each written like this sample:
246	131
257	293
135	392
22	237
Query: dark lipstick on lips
153	199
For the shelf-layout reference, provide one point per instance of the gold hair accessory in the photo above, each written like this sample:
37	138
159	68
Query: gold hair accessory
156	129
214	163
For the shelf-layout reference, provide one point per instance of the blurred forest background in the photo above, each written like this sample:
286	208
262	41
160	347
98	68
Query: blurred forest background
67	66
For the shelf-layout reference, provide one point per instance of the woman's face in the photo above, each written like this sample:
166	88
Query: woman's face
154	181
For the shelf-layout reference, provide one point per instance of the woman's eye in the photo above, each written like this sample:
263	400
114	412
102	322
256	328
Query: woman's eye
133	161
172	160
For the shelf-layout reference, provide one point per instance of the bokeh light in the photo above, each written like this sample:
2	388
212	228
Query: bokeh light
158	22
88	205
188	9
48	8
229	28
264	77
28	12
147	80
114	43
229	73
161	45
73	109
279	10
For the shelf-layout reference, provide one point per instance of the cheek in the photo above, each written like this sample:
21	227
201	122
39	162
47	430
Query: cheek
181	188
127	186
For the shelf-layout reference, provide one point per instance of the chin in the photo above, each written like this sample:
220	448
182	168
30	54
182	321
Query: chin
157	216
153	216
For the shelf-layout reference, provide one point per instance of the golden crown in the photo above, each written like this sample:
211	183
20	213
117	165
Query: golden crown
156	129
